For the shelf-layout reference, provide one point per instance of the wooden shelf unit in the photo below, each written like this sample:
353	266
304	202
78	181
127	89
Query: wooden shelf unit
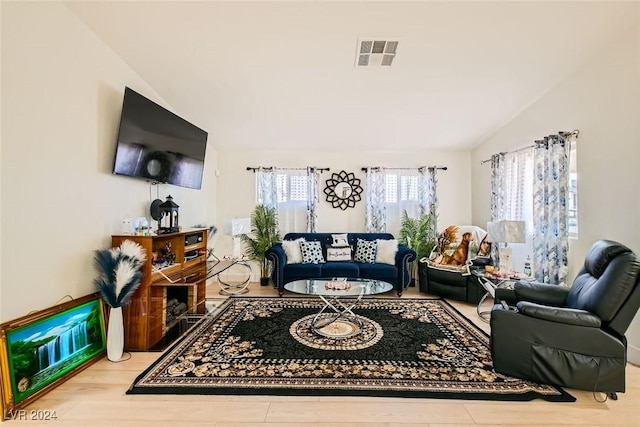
145	318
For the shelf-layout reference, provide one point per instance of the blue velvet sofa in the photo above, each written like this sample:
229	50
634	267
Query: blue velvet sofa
282	273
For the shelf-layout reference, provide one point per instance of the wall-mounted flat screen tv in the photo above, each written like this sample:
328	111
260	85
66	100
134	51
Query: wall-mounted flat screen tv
157	145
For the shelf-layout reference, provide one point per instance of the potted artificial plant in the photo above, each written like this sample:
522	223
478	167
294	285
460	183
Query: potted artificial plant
264	234
419	235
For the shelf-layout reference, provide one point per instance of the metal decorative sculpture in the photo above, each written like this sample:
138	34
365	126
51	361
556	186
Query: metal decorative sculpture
343	190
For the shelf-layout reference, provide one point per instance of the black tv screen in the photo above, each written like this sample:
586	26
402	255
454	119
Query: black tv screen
157	145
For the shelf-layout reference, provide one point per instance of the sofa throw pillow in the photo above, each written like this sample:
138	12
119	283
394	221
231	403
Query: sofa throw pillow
365	251
292	250
311	252
339	240
339	254
386	251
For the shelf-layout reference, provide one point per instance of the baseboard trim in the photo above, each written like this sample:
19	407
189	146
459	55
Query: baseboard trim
633	355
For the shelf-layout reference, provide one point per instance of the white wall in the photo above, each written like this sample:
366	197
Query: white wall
236	185
62	93
602	100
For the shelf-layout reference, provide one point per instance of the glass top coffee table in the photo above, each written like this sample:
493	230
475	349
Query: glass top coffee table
330	291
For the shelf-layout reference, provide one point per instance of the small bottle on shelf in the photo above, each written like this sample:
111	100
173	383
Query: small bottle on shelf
527	267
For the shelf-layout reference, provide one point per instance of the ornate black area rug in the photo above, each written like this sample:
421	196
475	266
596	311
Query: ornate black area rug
395	347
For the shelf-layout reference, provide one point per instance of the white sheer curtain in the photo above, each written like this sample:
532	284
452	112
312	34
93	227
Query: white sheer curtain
512	197
292	200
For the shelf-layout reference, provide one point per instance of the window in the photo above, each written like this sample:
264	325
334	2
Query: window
515	187
401	194
391	191
401	188
298	190
292	188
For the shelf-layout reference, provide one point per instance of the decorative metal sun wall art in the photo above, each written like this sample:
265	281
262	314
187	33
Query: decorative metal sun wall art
343	190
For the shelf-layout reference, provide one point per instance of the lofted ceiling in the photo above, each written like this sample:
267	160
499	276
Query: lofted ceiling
282	75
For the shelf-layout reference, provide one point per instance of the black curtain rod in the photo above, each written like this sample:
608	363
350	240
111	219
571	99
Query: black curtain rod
270	168
482	162
575	133
443	168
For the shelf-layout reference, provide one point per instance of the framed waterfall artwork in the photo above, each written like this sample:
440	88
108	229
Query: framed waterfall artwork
41	350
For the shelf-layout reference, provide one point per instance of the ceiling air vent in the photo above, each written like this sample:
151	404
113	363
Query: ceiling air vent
376	53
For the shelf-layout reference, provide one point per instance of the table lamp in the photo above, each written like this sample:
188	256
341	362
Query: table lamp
506	232
239	226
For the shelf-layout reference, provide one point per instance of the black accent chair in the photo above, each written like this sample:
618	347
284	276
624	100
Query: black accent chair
571	337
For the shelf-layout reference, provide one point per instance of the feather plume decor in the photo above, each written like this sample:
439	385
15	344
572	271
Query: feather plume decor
120	271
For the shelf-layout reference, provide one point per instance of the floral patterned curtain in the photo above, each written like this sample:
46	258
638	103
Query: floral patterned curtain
550	190
267	186
497	187
497	196
313	180
375	200
428	196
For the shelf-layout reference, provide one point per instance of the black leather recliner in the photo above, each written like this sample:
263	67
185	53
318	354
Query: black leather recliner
572	337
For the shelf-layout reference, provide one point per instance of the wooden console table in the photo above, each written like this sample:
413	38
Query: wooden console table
145	318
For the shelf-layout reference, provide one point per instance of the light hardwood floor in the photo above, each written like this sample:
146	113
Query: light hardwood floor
96	397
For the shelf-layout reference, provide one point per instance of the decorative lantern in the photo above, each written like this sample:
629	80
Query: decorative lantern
168	222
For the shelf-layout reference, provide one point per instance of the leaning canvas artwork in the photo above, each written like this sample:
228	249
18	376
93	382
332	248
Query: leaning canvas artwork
44	348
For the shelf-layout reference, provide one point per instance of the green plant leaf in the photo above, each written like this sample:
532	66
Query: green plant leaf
264	234
417	234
